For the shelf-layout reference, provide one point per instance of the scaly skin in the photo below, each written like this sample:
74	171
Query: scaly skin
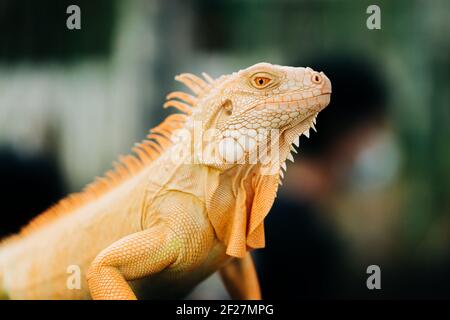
191	202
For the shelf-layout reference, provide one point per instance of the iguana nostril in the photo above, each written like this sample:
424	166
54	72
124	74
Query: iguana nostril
317	78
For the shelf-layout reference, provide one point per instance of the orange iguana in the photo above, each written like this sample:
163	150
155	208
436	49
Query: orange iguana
191	201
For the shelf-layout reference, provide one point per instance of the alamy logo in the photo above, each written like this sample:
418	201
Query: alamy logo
374	20
74	279
374	280
73	21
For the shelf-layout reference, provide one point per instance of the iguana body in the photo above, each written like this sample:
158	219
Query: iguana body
167	218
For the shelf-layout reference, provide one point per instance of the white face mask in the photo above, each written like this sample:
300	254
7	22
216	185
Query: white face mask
377	165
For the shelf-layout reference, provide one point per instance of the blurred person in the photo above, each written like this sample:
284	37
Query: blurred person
305	256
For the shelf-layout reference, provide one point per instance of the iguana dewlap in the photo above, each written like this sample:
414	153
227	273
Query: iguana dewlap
190	202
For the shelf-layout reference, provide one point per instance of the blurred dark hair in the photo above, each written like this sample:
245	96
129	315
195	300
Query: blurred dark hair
359	96
29	184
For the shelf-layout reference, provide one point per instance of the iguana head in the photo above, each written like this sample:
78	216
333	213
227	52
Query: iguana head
244	123
257	114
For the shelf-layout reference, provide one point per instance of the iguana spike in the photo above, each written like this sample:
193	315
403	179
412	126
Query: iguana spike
182	96
290	157
207	77
171	125
113	176
152	153
163	141
162	130
176	117
96	187
121	170
142	155
183	107
101	182
91	188
196	84
130	163
154	145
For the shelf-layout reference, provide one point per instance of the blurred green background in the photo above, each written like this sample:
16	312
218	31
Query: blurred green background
72	100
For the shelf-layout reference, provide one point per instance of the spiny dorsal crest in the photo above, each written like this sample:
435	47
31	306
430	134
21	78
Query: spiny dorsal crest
145	152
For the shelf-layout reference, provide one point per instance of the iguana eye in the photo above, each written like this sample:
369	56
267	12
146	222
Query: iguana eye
261	82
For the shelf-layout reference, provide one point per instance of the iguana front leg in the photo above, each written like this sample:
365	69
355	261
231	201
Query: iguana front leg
240	278
136	256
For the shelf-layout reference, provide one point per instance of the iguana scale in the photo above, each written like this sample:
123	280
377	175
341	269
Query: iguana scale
190	201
